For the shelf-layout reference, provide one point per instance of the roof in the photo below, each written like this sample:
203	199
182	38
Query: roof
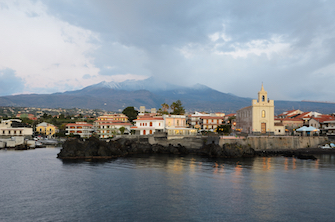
303	115
107	121
148	118
80	124
44	124
248	107
289	119
212	117
323	118
109	124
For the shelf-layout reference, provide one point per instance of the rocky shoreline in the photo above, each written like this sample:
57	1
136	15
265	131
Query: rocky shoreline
95	149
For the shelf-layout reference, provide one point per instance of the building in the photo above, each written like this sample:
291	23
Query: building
328	128
120	117
14	127
211	122
258	119
108	125
46	129
147	125
109	129
290	114
205	121
175	125
83	129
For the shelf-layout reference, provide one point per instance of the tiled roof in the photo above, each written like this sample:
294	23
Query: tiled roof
211	117
148	118
323	118
289	119
119	123
74	124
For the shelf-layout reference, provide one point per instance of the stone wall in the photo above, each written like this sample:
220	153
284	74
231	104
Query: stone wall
259	143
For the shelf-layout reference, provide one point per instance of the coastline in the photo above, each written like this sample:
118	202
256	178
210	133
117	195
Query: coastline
95	149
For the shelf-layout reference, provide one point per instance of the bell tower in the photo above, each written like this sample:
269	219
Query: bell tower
262	96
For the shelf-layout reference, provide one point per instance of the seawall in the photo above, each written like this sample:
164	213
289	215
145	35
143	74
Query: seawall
258	143
269	143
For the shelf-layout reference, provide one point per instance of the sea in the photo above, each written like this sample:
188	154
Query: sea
36	186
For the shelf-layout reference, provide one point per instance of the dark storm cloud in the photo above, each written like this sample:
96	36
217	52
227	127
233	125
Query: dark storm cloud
286	44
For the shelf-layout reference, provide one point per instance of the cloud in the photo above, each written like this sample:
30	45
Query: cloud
231	46
42	49
10	83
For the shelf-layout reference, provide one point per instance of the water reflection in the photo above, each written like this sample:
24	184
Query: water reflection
166	188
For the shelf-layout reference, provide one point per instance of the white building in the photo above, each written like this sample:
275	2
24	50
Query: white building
14	127
147	125
83	129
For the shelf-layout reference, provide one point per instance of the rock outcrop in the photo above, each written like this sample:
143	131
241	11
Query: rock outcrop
227	151
94	148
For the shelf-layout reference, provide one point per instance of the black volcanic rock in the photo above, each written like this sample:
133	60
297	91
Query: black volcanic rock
97	149
227	151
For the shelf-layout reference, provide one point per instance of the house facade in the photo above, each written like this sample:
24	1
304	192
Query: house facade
46	129
211	122
83	129
109	129
175	125
147	125
14	127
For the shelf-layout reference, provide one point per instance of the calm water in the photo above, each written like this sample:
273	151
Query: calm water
36	186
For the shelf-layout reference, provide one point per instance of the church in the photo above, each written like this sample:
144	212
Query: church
258	119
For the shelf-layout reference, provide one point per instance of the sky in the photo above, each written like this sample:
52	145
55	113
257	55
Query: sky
52	46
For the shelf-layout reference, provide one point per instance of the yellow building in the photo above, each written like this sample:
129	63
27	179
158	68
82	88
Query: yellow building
46	129
258	118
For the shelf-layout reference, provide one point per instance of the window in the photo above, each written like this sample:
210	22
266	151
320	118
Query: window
263	113
263	98
150	125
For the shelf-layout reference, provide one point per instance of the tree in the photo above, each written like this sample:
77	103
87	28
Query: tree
122	129
177	108
223	129
130	112
165	108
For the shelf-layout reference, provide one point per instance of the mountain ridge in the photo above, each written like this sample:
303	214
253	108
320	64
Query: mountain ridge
112	96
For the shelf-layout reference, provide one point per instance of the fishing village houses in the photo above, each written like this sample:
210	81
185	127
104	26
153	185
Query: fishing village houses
258	119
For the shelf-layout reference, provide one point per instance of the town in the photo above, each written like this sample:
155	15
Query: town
20	124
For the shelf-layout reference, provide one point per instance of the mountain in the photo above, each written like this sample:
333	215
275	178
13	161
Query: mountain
151	93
